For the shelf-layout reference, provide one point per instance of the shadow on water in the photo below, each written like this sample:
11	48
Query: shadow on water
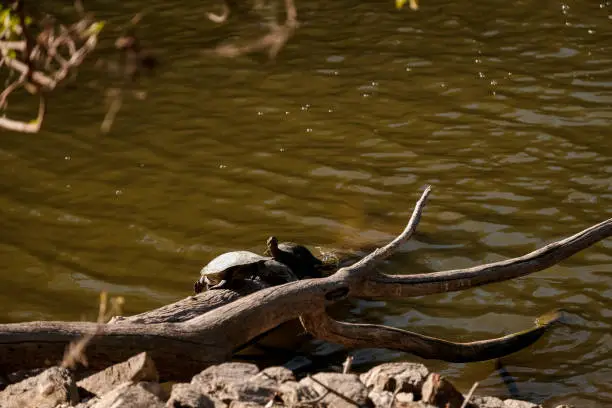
504	107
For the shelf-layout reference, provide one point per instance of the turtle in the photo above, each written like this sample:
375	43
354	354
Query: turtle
297	257
240	265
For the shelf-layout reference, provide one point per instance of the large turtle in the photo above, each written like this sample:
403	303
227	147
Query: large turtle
297	257
240	265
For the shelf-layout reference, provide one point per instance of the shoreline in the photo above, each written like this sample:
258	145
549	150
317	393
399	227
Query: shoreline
134	383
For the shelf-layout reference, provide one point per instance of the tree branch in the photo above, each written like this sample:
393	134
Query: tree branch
352	335
460	279
366	265
31	127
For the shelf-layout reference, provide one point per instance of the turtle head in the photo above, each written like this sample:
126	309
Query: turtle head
198	286
272	244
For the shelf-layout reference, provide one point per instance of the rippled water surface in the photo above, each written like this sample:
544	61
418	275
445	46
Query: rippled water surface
505	108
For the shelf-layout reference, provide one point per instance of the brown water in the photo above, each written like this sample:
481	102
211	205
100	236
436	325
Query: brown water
504	107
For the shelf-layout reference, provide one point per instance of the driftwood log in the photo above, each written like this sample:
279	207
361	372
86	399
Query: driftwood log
199	331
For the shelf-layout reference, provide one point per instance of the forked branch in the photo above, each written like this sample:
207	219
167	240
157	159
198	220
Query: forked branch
271	43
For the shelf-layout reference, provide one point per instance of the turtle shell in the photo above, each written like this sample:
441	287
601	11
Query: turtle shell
302	253
217	269
230	260
297	257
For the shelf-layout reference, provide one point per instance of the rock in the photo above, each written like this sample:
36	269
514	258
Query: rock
217	377
50	388
492	402
127	395
409	377
189	396
232	382
487	402
512	403
381	398
244	404
247	392
273	376
137	368
294	394
404	397
440	392
338	390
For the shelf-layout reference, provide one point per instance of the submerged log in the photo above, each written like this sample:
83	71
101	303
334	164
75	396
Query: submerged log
190	335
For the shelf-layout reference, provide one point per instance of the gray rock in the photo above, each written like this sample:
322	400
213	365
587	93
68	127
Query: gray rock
512	403
487	402
273	376
440	392
338	390
137	368
189	396
48	389
127	395
406	377
244	404
216	378
381	398
238	382
294	394
404	397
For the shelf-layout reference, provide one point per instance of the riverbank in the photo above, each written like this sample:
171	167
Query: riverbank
135	384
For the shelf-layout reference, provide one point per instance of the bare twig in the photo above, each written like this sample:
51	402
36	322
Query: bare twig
346	366
75	352
9	89
38	77
468	397
12	45
31	127
272	42
115	100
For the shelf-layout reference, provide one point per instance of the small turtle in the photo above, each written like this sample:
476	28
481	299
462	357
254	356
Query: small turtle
297	257
240	265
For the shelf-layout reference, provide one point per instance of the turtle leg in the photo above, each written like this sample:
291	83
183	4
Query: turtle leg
220	285
227	278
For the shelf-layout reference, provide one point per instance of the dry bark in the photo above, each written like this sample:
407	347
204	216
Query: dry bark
189	335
